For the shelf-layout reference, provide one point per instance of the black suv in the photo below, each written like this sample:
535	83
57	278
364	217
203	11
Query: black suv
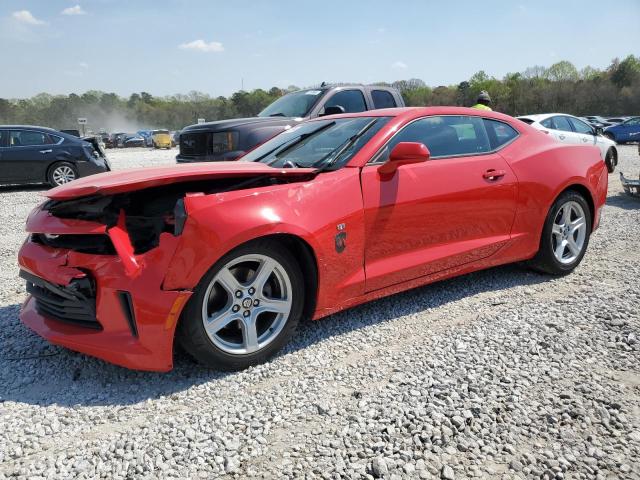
230	139
41	155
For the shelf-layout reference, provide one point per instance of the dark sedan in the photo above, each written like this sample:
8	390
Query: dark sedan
133	141
31	154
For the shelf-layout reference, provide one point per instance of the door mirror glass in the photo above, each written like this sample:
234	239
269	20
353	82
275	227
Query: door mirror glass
404	153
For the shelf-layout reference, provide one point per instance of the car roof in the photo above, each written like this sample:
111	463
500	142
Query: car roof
538	117
42	129
416	112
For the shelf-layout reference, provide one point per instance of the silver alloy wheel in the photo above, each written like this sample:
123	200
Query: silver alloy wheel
247	304
569	232
63	174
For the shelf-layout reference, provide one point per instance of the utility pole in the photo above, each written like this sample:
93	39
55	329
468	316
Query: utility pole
241	83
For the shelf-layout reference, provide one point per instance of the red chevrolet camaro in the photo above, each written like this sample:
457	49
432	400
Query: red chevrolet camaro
228	257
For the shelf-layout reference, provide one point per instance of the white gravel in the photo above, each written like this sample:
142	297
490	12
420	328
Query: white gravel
499	374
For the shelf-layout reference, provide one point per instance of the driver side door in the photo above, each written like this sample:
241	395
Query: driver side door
458	207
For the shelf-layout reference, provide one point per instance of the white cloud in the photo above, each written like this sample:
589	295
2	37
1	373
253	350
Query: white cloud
399	65
202	46
77	10
84	65
25	16
382	30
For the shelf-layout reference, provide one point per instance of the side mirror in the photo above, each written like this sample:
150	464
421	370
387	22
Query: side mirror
404	153
332	110
598	131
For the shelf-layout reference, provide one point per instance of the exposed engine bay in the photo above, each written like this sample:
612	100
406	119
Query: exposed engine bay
142	214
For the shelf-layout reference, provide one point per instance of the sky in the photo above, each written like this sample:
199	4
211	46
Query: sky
217	47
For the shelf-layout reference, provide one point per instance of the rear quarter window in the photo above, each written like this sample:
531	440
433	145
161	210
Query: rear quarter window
499	133
383	99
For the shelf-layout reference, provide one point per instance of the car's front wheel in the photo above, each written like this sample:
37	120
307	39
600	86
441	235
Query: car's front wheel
245	308
565	235
61	173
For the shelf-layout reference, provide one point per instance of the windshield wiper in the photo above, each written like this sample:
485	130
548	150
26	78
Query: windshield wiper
279	114
295	141
333	156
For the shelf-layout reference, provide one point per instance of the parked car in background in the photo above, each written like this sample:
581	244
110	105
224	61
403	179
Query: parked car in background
616	120
598	122
161	139
133	140
30	154
570	129
626	131
118	140
281	236
230	139
148	137
175	138
75	133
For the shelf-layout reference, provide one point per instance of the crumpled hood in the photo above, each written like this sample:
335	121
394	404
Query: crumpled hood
135	179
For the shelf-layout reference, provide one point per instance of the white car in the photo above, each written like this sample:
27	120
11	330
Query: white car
570	129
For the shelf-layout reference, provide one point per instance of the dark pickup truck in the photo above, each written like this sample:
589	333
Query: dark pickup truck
230	139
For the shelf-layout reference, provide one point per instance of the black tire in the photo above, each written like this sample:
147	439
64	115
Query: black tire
53	174
155	145
545	261
191	333
611	159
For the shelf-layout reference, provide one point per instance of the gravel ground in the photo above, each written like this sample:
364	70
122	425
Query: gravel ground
498	374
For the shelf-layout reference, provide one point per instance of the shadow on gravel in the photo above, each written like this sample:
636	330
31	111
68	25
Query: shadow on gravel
624	201
34	372
22	188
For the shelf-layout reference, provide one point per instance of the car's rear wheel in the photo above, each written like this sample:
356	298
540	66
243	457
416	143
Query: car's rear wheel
611	159
565	235
61	173
245	308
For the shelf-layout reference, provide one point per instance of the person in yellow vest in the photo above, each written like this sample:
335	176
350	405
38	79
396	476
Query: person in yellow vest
483	102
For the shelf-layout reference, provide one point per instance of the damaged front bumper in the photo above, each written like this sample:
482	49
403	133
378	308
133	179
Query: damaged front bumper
95	303
632	187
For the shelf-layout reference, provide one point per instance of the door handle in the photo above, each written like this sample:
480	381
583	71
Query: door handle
561	137
585	139
492	174
45	151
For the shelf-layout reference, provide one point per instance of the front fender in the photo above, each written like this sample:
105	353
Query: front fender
316	211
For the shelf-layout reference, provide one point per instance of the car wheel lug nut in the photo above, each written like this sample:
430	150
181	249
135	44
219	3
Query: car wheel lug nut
238	293
246	313
235	308
256	302
252	291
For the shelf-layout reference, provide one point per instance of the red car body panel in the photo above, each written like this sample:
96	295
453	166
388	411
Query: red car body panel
427	222
128	180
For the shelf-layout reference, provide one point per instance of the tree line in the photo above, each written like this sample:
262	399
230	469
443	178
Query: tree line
558	88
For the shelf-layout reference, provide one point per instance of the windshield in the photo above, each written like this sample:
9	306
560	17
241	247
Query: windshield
318	144
296	104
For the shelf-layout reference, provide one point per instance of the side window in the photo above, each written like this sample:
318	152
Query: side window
562	123
26	138
351	100
633	121
580	126
499	133
4	138
548	123
383	99
56	139
446	136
